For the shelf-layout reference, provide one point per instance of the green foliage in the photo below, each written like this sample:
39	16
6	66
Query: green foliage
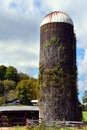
59	76
19	128
56	77
23	92
9	85
84	107
22	76
1	100
84	116
53	40
2	71
85	97
11	73
43	127
11	95
26	91
60	48
9	78
40	127
1	88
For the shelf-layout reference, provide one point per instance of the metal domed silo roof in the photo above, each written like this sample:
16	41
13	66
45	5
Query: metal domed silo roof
57	16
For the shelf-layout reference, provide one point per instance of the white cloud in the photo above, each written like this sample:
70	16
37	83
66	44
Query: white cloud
82	68
19	55
19	31
82	85
82	73
19	34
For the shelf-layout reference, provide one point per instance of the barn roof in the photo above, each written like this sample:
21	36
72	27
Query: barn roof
19	108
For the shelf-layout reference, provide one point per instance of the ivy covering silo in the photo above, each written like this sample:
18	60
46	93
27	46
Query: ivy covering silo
57	69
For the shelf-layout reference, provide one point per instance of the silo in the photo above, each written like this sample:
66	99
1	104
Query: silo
57	69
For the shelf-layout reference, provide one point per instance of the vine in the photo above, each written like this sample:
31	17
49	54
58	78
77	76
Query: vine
53	40
56	76
61	48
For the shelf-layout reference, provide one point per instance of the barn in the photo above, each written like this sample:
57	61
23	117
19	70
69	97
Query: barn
17	115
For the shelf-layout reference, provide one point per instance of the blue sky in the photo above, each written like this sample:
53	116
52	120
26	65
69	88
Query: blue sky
20	33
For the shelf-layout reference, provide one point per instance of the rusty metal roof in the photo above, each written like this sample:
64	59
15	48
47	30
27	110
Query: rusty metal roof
57	16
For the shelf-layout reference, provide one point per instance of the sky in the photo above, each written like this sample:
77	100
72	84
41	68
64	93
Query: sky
20	34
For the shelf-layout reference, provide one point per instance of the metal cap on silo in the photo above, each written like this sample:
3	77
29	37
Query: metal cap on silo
57	16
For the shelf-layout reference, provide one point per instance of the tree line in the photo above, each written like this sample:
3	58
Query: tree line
14	85
84	99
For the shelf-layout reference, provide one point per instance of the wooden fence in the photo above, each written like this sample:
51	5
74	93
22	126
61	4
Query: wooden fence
52	124
58	124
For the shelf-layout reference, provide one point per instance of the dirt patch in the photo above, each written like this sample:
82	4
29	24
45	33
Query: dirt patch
6	128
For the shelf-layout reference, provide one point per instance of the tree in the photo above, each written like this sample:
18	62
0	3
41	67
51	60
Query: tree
85	97
22	76
11	95
1	88
84	106
2	71
11	73
1	100
26	91
9	85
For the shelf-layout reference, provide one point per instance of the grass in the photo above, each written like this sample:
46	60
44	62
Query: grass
42	127
84	113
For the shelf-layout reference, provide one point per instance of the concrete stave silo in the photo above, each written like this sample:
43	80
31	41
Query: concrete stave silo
58	71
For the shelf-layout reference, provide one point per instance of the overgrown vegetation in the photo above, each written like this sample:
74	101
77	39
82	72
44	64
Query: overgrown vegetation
53	40
43	127
60	48
51	127
58	78
14	85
